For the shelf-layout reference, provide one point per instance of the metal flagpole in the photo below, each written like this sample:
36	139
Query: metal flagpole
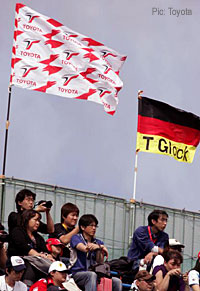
4	156
135	174
136	162
132	200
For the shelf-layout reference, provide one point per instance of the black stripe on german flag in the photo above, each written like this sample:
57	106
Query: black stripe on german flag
165	112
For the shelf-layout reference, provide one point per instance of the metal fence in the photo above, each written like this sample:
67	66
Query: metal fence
118	218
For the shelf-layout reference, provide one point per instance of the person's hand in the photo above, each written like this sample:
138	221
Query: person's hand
47	256
175	272
86	248
155	287
148	258
93	247
50	257
104	249
185	278
42	208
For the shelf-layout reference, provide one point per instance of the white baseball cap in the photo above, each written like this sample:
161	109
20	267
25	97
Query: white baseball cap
174	242
57	266
16	263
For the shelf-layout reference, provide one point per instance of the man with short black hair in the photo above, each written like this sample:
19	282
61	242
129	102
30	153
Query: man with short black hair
25	200
148	241
15	267
89	252
67	227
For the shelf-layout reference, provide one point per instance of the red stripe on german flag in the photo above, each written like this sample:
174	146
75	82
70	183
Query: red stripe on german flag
176	132
167	130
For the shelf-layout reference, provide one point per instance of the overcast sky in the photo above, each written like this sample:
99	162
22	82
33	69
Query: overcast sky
74	143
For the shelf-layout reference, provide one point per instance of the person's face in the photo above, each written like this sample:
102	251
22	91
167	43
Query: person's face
71	219
16	276
90	229
172	264
56	250
34	223
161	223
145	285
58	277
27	203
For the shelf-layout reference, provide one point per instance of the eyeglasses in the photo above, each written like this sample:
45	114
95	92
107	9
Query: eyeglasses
29	199
93	225
148	281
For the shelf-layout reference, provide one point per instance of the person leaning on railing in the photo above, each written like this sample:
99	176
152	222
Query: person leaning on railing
148	241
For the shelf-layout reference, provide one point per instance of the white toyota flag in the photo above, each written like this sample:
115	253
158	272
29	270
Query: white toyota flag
49	57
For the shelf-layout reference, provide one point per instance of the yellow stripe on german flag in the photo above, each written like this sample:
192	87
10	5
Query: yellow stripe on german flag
163	129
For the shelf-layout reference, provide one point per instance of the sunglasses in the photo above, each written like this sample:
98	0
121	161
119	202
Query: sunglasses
149	280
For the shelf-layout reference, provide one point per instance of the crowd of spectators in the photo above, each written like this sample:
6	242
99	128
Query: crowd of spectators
72	248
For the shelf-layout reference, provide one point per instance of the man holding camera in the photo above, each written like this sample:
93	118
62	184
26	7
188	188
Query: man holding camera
25	200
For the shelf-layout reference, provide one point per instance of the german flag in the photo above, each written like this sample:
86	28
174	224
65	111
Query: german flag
166	130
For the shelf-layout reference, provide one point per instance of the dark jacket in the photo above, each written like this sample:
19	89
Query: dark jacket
20	243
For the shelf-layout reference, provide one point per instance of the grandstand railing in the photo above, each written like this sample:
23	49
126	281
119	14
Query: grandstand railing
118	218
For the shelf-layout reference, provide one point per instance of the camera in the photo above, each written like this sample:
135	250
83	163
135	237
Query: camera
48	204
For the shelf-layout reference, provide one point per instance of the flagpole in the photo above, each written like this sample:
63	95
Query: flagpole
5	154
132	200
135	174
136	161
